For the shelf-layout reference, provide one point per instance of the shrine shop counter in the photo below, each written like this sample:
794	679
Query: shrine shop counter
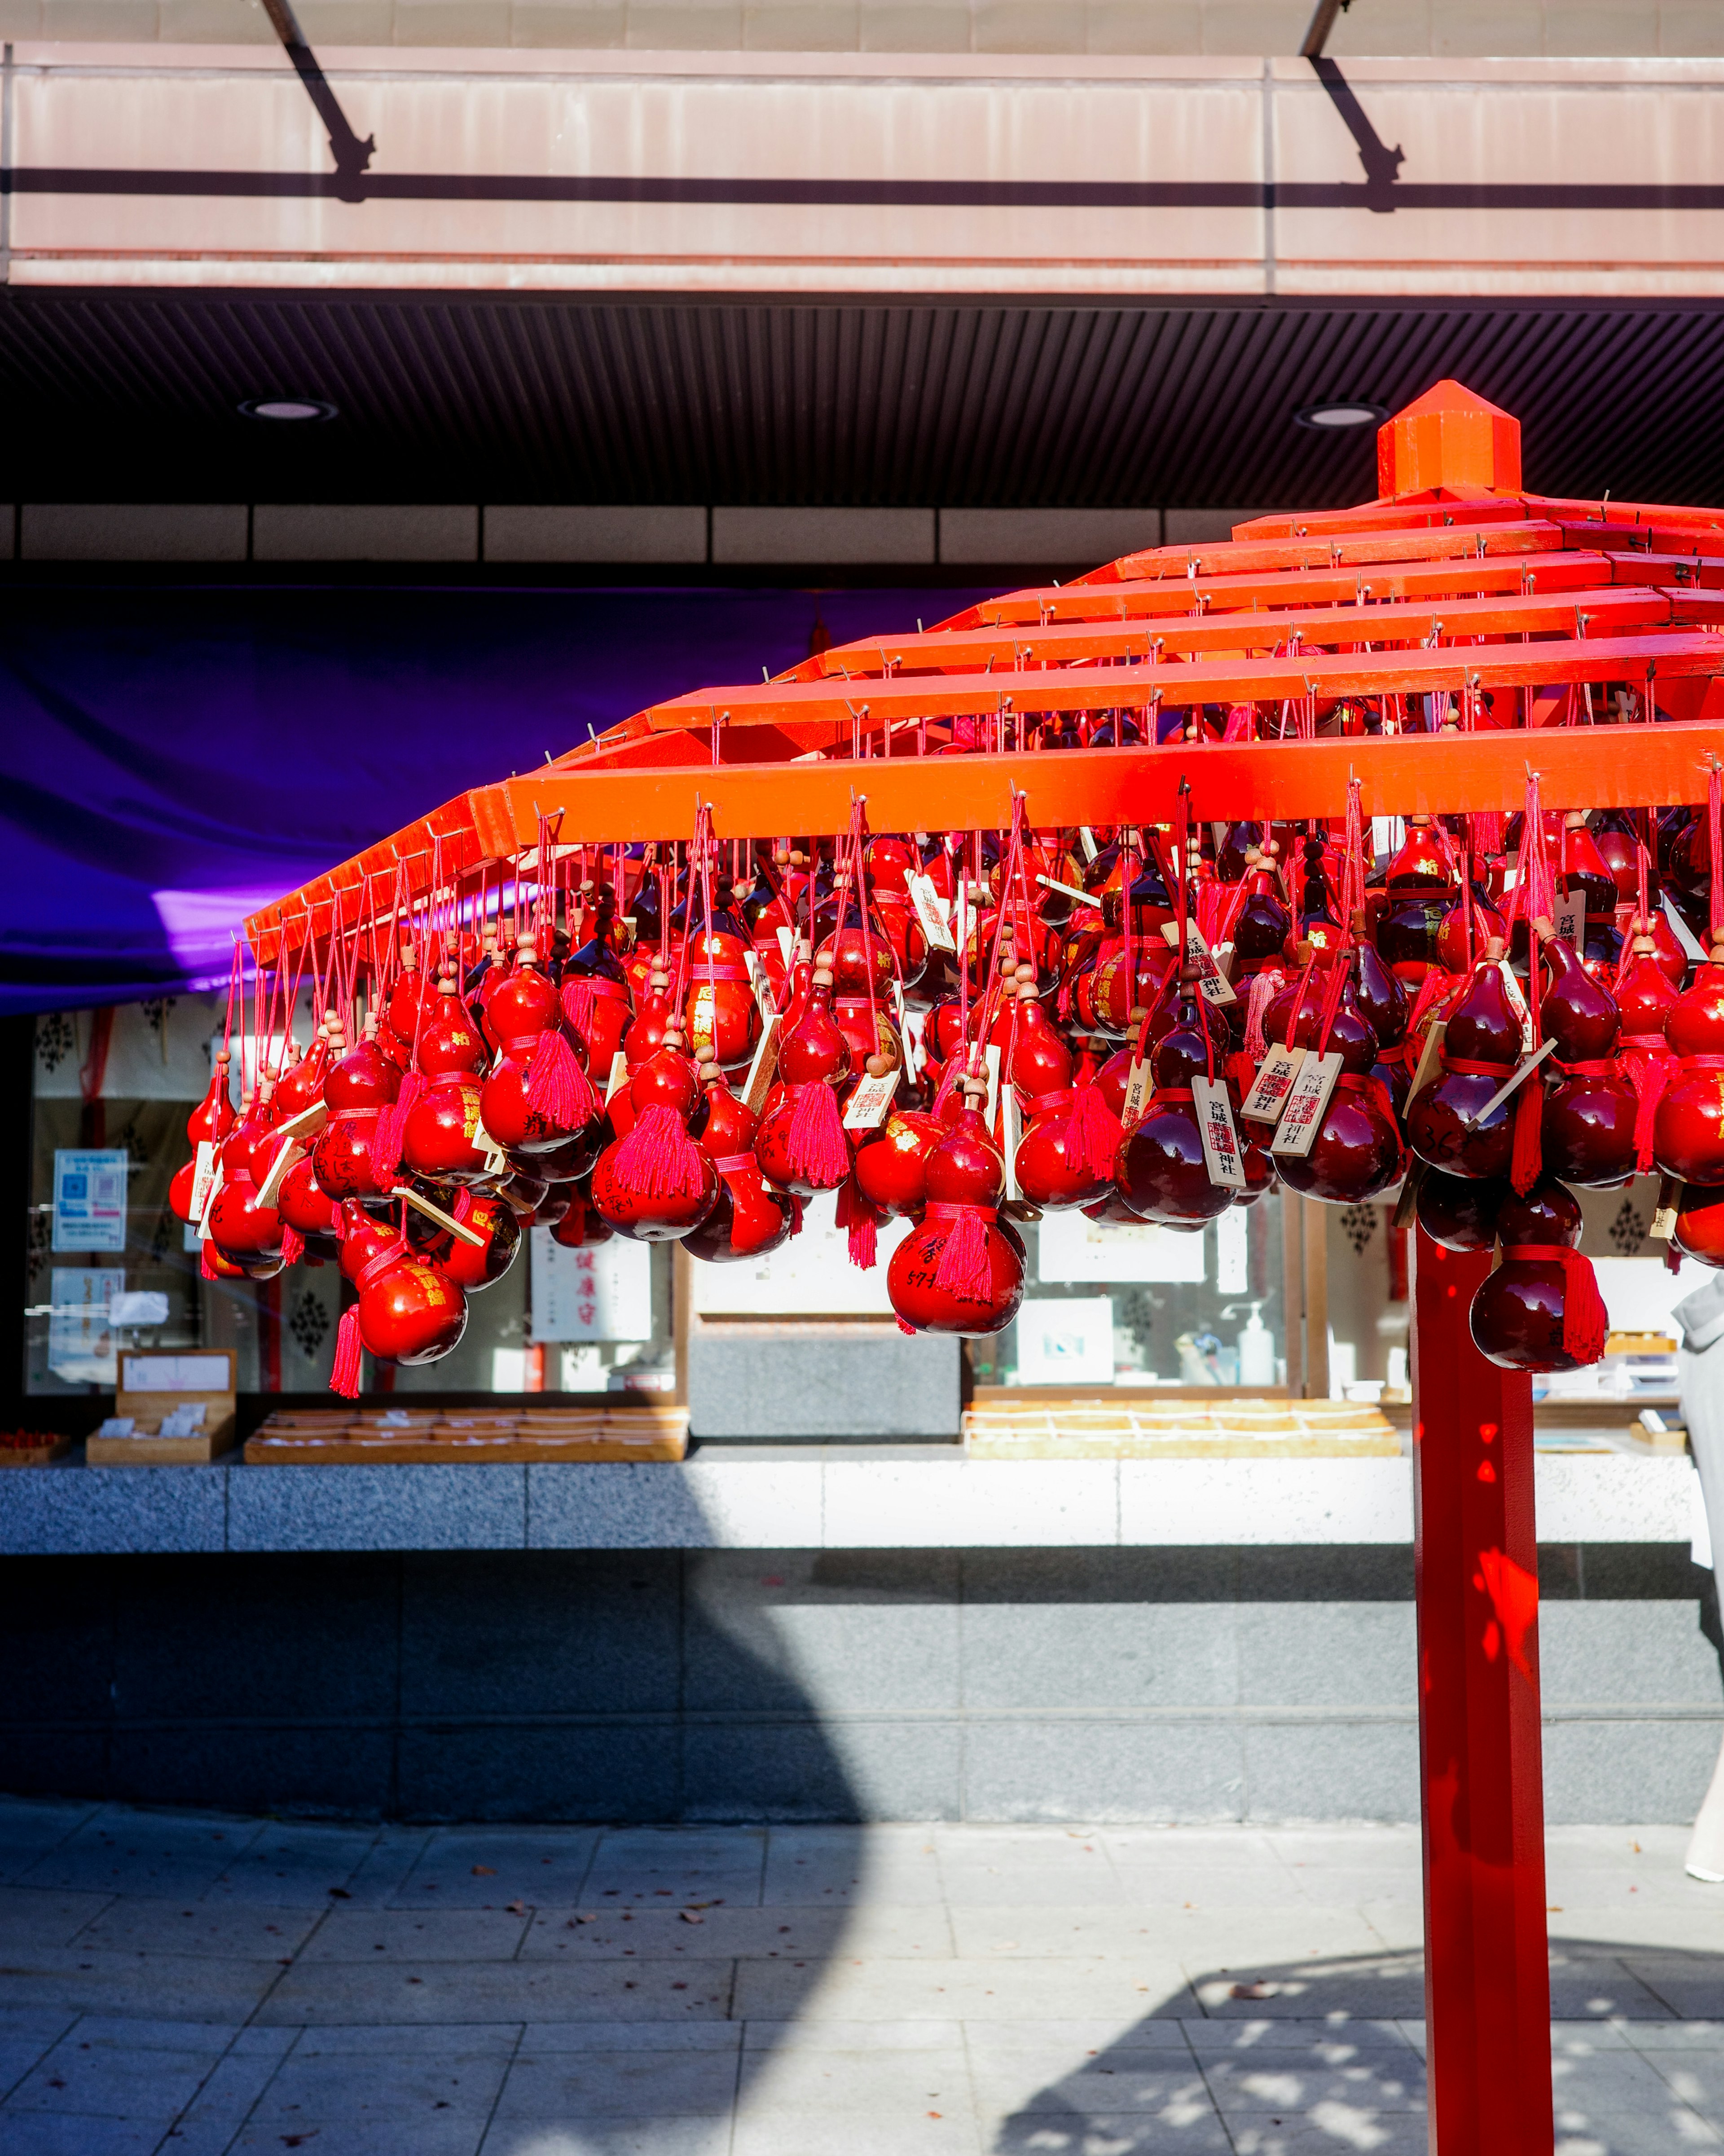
739	1496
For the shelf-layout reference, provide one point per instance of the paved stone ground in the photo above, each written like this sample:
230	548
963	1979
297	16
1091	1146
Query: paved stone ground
197	1985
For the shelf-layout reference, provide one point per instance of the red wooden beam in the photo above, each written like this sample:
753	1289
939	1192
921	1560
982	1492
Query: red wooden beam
1222	679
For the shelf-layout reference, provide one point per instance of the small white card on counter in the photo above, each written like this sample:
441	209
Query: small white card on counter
1303	1114
1221	1142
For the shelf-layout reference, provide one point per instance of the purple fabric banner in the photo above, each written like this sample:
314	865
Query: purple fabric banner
170	760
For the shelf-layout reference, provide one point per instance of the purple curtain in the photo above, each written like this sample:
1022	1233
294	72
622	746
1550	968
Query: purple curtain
170	760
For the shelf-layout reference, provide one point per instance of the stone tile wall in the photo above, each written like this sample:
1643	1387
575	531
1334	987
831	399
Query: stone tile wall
1000	1685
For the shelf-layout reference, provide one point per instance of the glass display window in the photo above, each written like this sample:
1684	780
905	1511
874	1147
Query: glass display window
110	1267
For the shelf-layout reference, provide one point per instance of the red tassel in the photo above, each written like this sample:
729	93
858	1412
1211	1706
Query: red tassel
389	1131
1431	989
1258	997
1241	723
796	1213
1527	1161
206	1263
293	1245
350	1349
905	1326
859	1216
1585	1322
1649	1075
1240	1069
557	1088
578	997
659	1159
816	1150
964	1270
1093	1134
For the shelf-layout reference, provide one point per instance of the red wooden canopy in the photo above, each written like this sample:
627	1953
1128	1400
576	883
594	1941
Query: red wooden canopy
1454	579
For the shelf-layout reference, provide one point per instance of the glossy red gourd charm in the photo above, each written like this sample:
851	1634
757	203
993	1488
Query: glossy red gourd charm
1540	1309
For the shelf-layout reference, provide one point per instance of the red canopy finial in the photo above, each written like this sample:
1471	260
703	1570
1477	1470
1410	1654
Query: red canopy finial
1451	442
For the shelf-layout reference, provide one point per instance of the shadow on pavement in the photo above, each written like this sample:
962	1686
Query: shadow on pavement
1289	2058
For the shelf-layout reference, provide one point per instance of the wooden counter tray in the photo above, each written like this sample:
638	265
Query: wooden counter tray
652	1434
148	1406
35	1455
1297	1430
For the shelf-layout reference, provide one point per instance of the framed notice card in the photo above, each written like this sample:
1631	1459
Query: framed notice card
89	1200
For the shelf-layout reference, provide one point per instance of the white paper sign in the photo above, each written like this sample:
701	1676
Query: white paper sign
1303	1116
603	1293
81	1344
1072	1247
1233	1253
1065	1340
1569	917
174	1373
811	1275
1276	1076
1221	1141
145	1306
89	1200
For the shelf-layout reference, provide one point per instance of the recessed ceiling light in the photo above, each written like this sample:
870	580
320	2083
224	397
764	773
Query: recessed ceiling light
287	408
1343	411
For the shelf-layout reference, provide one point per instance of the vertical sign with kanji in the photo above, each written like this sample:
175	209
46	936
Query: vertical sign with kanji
601	1292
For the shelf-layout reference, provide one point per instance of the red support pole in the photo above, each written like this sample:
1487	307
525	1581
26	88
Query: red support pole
1486	1957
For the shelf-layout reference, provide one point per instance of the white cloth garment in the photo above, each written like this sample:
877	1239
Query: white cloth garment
1701	1382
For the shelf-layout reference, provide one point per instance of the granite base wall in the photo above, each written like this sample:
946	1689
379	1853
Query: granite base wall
1068	1684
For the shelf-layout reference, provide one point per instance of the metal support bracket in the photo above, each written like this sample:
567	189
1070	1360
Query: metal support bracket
351	155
